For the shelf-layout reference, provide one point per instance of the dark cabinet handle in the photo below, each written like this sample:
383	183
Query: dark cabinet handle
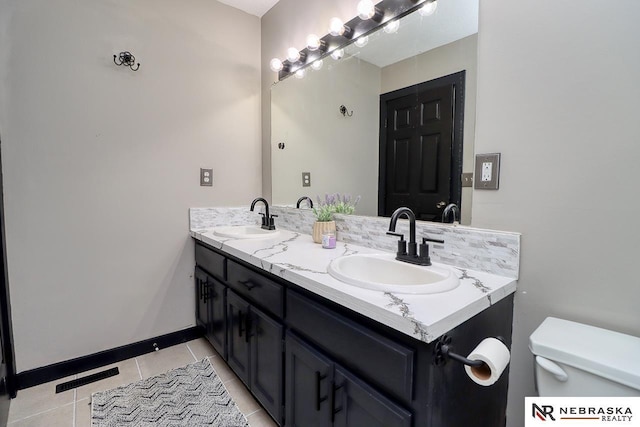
334	410
240	323
247	328
205	291
248	283
319	399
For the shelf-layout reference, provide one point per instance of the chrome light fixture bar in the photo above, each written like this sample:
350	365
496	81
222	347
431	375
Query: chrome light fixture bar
385	11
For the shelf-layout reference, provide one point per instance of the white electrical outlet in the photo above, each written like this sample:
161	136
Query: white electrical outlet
486	171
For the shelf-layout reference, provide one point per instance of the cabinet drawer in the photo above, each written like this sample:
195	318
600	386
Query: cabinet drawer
381	361
210	261
258	289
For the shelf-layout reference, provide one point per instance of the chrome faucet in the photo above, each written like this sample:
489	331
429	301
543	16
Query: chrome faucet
309	202
267	220
451	208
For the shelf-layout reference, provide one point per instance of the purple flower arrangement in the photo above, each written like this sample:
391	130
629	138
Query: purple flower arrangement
332	204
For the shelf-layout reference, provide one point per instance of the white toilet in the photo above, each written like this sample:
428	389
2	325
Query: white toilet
572	359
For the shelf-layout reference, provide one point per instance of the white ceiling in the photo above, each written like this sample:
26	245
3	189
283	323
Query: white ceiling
253	7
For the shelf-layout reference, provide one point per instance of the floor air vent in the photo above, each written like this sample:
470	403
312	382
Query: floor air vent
86	380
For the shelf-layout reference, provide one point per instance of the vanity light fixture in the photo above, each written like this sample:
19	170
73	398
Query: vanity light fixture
276	65
313	42
386	14
392	26
366	9
429	8
300	73
337	28
317	64
362	41
337	54
293	55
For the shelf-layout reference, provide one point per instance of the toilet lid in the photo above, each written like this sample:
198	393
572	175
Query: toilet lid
609	354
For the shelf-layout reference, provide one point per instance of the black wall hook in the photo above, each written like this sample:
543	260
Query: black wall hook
126	58
344	112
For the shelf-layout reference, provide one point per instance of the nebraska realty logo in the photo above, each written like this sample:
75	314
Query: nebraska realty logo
582	411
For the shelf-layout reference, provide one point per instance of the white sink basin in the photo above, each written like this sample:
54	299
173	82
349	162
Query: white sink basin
244	232
385	273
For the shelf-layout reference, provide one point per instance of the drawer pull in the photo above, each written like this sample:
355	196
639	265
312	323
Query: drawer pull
248	283
319	399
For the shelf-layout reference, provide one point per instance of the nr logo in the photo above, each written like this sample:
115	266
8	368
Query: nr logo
543	412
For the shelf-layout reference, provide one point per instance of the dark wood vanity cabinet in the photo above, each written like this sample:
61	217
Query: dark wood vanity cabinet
321	393
211	309
255	351
313	363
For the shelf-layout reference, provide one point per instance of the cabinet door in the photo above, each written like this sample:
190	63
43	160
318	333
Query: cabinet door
355	403
308	380
237	336
217	331
202	306
266	361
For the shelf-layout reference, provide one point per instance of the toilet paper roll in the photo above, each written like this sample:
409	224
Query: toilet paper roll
495	356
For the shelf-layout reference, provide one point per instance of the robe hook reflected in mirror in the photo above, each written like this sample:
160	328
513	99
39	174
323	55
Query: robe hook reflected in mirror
344	112
126	58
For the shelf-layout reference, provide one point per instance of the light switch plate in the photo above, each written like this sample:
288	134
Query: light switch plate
206	177
467	179
487	171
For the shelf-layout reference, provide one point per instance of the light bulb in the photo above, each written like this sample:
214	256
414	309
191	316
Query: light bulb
337	54
428	8
292	54
392	27
316	65
300	73
366	9
275	65
336	27
313	42
362	41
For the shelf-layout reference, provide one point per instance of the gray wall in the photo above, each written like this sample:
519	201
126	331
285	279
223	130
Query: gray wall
101	163
556	97
338	151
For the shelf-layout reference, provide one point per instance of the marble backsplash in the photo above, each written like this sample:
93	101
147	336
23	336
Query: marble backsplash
495	252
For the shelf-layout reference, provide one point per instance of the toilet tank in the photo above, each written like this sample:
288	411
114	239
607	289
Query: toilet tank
572	359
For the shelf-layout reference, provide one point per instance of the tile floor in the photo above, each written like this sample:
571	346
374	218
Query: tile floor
41	406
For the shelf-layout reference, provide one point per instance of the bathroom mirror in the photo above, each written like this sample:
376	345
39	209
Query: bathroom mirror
327	123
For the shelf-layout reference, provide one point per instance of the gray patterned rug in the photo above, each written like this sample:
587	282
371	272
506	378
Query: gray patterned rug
189	396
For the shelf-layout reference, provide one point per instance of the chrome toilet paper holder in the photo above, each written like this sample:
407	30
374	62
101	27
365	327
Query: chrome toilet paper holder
442	353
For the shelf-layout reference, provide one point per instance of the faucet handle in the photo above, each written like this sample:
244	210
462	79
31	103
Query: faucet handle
426	239
402	244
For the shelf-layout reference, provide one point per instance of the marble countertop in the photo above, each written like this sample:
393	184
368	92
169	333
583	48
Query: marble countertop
297	259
